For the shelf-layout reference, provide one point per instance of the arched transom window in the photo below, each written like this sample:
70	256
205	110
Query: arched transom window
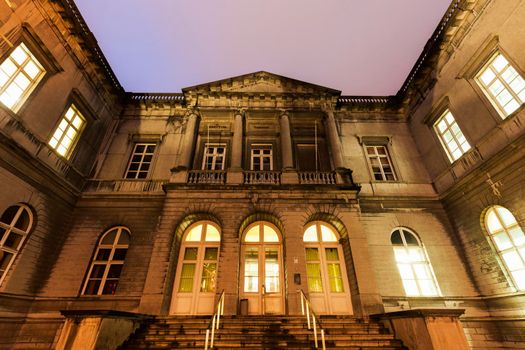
509	240
15	224
108	260
413	264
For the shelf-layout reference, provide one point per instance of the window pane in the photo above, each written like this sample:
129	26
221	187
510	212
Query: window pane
109	237
312	254
336	280
212	234
519	278
502	241
327	234
211	253
110	287
92	287
190	253
208	277
313	274
97	271
195	234
427	288
331	254
493	223
252	235
115	270
251	270
124	237
499	63
411	288
271	270
13	241
5	259
103	254
310	234
513	260
269	234
186	279
120	254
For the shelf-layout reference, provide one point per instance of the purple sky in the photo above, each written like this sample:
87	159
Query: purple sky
361	47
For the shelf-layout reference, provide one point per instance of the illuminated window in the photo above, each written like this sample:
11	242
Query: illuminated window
413	265
451	136
20	73
214	156
509	240
198	259
380	163
324	259
140	161
66	134
503	85
15	224
106	267
262	158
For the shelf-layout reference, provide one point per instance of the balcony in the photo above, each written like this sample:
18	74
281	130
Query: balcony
222	177
124	186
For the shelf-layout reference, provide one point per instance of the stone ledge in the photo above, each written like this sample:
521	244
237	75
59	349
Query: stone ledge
420	313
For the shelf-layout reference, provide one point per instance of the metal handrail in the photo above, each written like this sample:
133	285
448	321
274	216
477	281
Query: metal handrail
214	322
306	307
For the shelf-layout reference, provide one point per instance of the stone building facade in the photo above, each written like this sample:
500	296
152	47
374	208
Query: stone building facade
262	186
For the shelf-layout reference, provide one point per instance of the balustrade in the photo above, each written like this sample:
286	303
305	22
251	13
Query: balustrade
206	177
317	178
262	177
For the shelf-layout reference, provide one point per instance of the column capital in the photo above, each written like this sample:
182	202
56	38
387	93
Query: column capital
283	113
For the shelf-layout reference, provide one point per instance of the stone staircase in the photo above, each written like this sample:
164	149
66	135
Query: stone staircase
261	332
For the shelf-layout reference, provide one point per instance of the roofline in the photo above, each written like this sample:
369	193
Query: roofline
333	91
430	47
82	28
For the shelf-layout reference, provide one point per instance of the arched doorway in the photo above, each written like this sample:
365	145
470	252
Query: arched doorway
262	282
328	287
196	276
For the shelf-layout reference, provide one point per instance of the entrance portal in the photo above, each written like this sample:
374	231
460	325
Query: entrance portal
326	273
261	269
194	290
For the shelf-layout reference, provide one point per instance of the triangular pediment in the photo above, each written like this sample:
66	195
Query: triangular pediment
261	83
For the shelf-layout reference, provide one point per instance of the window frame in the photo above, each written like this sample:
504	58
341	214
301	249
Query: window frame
11	227
224	145
151	163
499	253
26	35
379	157
20	70
72	147
261	147
442	117
109	262
426	263
485	87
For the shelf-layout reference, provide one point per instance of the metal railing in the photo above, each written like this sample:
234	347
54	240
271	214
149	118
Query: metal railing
214	323
311	320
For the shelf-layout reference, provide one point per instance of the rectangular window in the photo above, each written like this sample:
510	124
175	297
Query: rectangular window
503	85
67	132
214	156
140	161
20	73
262	158
380	163
451	136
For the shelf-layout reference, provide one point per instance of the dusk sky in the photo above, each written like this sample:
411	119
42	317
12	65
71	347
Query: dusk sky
361	47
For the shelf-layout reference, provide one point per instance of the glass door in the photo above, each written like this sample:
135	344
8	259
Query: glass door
262	277
195	281
325	271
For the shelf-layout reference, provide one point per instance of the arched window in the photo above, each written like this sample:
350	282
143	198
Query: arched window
413	264
509	240
15	224
106	267
197	268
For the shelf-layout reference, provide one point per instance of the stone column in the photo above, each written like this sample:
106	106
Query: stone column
188	141
237	142
286	143
235	174
179	174
289	175
333	139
